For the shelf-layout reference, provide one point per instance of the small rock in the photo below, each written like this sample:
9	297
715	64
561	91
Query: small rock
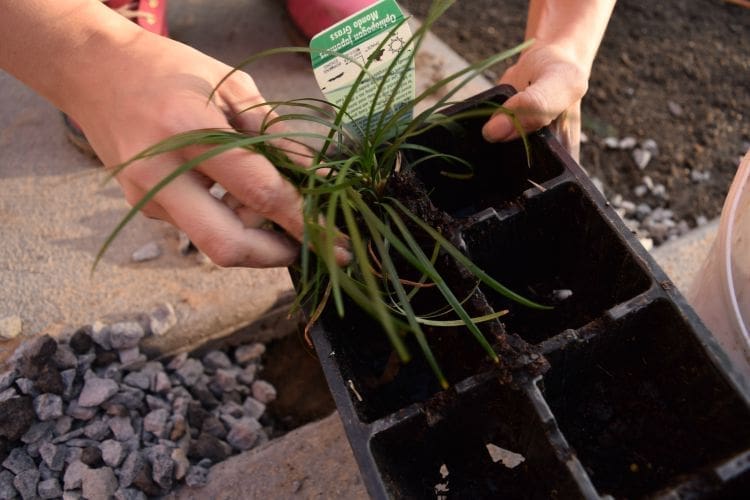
53	456
129	494
640	191
190	371
68	436
74	475
674	108
641	157
48	407
211	447
162	384
92	456
179	427
6	379
253	408
7	394
212	425
18	461
63	425
130	398
659	190
100	335
26	483
162	319
49	380
39	431
149	251
627	143
64	357
155	422
698	176
176	362
263	391
157	403
79	412
98	483
96	391
162	469
49	488
139	380
122	428
562	294
129	357
7	490
247	375
113	452
249	352
213	360
97	430
701	220
226	380
611	142
196	477
10	327
125	335
244	433
81	341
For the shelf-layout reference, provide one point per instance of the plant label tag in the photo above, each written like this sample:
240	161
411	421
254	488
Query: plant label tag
371	52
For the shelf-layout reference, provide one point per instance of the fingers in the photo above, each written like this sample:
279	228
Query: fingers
220	232
547	91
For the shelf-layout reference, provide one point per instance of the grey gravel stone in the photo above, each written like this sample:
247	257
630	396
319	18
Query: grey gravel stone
674	108
155	422
162	469
612	142
6	378
26	483
49	488
253	408
48	407
26	386
131	357
161	383
176	362
162	319
249	352
125	335
96	391
7	490
129	494
157	403
190	371
247	375
64	357
244	433
64	438
213	360
71	495
131	467
18	460
627	143
226	380
98	430
39	431
113	452
641	157
122	428
181	463
138	379
149	251
98	483
54	456
100	334
196	476
68	379
7	394
263	391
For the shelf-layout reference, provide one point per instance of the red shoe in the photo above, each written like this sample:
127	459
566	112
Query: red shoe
313	16
151	15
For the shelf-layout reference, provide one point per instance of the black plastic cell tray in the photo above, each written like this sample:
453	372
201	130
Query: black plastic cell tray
637	401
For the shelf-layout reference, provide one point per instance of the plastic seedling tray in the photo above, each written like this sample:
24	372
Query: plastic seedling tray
622	393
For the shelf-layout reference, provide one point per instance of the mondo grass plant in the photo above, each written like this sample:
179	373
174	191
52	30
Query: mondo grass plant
345	190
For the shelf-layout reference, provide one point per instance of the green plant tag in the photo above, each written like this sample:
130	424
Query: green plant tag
376	38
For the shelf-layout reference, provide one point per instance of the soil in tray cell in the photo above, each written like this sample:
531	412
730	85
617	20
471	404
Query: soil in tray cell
498	174
557	251
487	445
642	405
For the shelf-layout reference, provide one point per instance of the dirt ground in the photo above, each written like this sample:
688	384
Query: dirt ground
674	71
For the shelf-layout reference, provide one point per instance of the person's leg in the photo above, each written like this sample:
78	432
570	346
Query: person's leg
313	16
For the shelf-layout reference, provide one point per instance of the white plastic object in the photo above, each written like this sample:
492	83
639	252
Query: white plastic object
720	293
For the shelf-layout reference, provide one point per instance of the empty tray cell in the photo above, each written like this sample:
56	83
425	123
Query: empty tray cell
643	406
499	173
558	250
490	444
378	382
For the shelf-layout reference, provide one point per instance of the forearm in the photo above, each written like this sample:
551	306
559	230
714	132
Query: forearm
62	48
574	26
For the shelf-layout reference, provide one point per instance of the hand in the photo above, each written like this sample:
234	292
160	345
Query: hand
550	86
160	88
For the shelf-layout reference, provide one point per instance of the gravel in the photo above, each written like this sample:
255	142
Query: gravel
91	417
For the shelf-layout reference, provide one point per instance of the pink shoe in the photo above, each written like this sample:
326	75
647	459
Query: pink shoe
313	16
150	15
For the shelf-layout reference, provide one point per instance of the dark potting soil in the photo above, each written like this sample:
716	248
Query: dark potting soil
692	53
